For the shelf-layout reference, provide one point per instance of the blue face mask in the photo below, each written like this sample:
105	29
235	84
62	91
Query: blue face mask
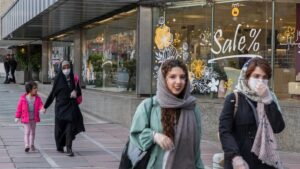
66	72
252	82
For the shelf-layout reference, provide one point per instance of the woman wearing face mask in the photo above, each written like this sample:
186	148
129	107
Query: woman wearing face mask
247	131
174	131
68	117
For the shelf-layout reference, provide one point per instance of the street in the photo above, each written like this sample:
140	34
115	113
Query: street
100	147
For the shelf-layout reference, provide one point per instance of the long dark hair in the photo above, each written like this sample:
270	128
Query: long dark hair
170	116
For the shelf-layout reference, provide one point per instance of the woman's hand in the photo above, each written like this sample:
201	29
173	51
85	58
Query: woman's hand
239	163
163	141
73	94
263	91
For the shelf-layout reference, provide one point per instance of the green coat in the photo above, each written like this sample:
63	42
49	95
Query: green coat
141	135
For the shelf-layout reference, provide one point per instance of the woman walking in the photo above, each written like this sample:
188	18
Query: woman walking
68	117
247	129
174	130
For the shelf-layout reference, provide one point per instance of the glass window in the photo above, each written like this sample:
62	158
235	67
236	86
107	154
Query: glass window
240	28
286	61
62	49
109	53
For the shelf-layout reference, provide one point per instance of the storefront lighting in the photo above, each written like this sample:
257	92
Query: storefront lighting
174	19
267	20
184	4
281	19
60	36
105	20
131	11
230	1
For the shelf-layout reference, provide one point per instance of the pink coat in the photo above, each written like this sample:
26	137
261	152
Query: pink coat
23	110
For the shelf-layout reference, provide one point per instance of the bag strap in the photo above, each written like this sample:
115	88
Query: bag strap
76	79
150	111
236	102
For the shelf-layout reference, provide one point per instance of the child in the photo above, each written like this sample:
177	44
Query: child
29	107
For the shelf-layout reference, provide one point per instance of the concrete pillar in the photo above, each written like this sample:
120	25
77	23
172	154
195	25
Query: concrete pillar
78	54
46	56
144	51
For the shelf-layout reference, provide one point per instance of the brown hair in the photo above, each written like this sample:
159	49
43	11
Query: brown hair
170	116
259	62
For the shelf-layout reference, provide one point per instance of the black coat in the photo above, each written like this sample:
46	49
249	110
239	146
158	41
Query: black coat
66	108
237	132
13	64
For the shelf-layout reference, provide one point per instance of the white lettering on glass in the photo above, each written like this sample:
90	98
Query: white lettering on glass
236	44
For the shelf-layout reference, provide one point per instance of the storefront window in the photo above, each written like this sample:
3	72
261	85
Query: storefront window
60	51
109	61
286	61
241	29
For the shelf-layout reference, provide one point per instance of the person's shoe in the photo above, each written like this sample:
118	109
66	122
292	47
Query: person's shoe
70	152
61	150
32	148
27	149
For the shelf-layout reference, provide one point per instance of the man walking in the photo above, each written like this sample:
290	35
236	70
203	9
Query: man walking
7	68
13	66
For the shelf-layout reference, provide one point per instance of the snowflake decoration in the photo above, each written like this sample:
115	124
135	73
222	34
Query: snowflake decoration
163	37
197	68
228	84
213	85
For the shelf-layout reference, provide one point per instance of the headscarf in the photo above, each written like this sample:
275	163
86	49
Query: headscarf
65	62
60	80
265	145
186	134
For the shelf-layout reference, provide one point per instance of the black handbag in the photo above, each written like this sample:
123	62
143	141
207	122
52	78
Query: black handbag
133	157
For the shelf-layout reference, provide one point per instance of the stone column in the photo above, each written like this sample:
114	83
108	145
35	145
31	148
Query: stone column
144	51
46	54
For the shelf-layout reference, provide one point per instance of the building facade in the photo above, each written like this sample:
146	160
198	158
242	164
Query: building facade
117	47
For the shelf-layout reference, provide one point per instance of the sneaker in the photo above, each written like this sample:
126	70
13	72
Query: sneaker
32	148
27	149
70	152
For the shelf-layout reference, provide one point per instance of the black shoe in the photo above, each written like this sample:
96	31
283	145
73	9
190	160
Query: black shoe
61	150
70	152
27	149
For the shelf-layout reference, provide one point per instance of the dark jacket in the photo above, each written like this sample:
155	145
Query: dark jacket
237	132
66	108
13	64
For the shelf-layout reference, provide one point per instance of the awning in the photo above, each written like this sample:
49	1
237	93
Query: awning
68	14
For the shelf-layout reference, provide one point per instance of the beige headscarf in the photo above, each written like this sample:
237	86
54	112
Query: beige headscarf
265	145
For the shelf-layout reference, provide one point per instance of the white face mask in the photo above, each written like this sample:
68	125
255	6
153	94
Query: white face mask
66	72
252	82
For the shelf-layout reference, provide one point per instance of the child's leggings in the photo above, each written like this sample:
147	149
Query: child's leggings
29	133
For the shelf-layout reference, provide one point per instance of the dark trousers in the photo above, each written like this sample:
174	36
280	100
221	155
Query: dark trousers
63	134
13	75
6	77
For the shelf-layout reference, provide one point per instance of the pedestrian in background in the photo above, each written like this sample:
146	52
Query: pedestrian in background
174	130
28	112
7	68
247	130
68	117
13	66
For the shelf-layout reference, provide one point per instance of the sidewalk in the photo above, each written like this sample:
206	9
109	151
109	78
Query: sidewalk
99	147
